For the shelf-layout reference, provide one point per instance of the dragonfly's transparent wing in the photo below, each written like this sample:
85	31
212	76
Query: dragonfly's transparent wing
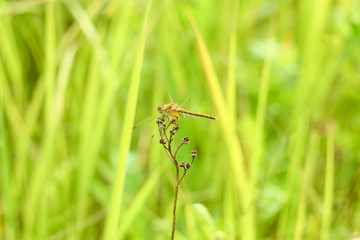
186	104
144	121
140	130
171	99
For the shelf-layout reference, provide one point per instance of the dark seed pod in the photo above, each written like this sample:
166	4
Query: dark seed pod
159	120
193	153
186	140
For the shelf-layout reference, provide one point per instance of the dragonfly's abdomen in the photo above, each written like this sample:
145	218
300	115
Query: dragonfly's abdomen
197	114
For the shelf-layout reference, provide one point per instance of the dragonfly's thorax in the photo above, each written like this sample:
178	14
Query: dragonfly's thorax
167	109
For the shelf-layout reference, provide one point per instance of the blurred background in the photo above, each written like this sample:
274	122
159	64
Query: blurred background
281	161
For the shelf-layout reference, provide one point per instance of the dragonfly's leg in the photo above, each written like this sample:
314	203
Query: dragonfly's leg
175	117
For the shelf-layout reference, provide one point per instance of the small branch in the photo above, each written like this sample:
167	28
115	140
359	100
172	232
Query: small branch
166	141
168	126
192	161
178	148
185	171
170	156
166	137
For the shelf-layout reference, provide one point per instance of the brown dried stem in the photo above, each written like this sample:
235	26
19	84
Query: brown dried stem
166	141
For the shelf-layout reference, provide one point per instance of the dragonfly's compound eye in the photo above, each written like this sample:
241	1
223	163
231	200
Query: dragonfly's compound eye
161	108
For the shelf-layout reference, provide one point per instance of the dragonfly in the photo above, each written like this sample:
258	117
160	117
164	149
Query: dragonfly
175	111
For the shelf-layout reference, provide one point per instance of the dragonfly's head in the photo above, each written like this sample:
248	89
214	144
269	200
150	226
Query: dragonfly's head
161	109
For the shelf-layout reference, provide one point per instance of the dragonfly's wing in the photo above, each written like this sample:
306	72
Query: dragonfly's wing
184	115
186	104
171	99
144	121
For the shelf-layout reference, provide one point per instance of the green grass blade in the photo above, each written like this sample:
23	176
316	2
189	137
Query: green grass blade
314	20
138	202
231	80
306	186
35	220
32	115
258	144
229	214
329	185
112	219
9	52
232	141
6	192
49	68
191	222
38	181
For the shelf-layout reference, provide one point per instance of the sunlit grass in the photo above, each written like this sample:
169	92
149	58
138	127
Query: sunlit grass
111	223
281	162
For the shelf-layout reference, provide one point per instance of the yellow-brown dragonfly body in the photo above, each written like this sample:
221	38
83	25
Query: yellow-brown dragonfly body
175	111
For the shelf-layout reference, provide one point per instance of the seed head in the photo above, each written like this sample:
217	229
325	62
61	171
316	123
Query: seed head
159	120
182	164
193	154
162	141
176	127
173	130
172	121
186	140
188	165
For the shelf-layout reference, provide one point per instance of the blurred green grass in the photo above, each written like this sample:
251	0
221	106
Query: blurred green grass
282	161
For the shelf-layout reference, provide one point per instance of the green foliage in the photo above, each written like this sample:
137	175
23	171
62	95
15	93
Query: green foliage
281	161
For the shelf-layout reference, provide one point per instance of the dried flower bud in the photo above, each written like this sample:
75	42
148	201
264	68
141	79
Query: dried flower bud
193	154
172	121
188	166
186	140
162	141
182	164
174	129
159	120
163	125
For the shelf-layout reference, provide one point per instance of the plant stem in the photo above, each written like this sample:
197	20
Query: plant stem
174	209
165	140
175	199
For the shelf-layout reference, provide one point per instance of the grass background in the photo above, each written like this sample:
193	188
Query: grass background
281	162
